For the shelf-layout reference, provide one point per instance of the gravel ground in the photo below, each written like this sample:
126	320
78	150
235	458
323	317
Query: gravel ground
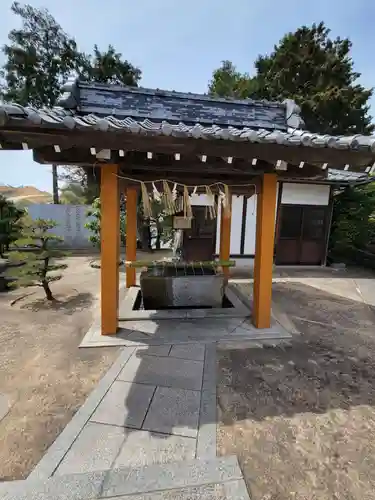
43	374
301	418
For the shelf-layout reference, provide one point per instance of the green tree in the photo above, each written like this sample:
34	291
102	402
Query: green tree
10	216
109	67
37	261
40	57
227	81
162	223
159	219
93	224
353	223
314	70
87	178
73	194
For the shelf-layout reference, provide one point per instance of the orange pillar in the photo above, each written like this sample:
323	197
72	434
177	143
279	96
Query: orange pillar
225	226
263	264
109	231
131	233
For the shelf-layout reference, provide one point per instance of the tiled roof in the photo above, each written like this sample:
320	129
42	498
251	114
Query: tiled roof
346	177
156	112
59	117
175	107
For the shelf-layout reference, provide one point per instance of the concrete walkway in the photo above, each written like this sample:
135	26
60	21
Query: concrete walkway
155	406
148	431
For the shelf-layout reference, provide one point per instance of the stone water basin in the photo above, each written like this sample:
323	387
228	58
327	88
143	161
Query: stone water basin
182	286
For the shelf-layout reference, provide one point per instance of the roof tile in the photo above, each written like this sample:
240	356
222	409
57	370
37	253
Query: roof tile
155	112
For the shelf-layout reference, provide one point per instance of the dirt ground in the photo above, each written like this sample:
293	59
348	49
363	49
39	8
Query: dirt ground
42	372
302	418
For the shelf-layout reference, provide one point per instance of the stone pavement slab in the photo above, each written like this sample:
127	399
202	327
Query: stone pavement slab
142	448
135	333
231	490
162	371
124	482
95	449
206	444
103	447
173	398
155	350
172	476
188	351
174	411
56	452
125	404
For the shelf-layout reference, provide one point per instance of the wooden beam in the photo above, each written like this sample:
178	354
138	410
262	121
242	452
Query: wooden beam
110	228
131	233
225	227
264	248
37	137
164	165
159	163
243	225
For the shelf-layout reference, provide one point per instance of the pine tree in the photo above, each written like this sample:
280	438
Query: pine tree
10	216
316	71
37	260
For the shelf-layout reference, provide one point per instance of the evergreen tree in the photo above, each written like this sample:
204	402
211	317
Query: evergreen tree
353	222
10	217
314	70
40	57
73	194
93	224
37	260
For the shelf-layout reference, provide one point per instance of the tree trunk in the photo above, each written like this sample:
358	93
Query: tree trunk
47	290
92	183
146	237
55	185
159	231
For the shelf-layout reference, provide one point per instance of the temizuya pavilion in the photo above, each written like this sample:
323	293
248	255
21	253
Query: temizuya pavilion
193	139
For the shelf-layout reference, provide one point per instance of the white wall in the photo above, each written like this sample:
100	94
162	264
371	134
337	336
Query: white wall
251	221
236	225
202	199
71	220
305	194
297	194
235	231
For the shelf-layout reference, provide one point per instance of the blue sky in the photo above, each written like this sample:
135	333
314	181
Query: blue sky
178	44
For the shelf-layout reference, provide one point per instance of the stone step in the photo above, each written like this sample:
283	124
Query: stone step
219	478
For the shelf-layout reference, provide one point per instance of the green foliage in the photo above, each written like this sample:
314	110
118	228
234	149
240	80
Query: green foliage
160	220
93	225
228	82
36	262
353	219
163	224
10	217
314	70
73	194
81	181
108	67
41	57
